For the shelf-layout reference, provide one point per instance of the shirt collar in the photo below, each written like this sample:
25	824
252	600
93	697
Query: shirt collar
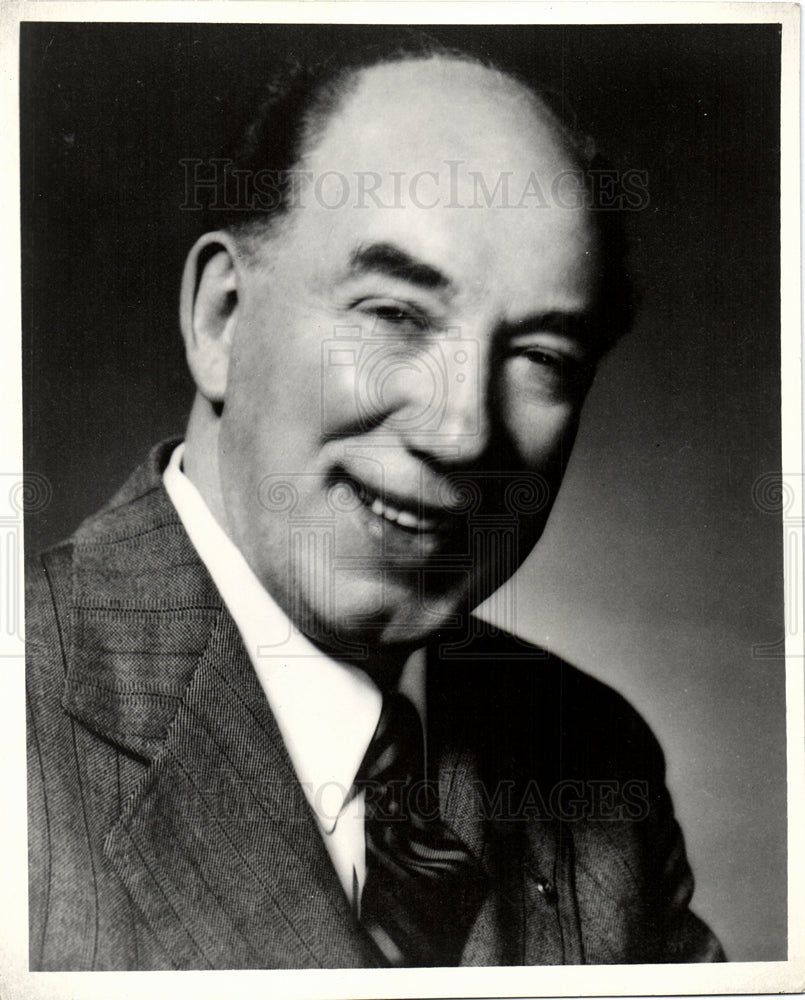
326	710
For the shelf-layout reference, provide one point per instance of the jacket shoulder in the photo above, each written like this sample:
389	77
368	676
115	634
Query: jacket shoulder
534	706
571	750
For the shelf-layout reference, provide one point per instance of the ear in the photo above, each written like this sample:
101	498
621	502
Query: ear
208	311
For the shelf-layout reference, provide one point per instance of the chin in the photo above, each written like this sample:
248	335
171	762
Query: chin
373	618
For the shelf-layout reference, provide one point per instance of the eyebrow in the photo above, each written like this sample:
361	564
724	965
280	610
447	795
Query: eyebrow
578	325
391	260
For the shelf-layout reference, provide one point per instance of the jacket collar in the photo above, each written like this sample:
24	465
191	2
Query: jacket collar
141	613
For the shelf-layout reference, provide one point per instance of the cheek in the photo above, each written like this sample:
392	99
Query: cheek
542	434
274	381
337	385
304	368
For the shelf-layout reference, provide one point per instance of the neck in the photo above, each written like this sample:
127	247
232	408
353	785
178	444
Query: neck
384	664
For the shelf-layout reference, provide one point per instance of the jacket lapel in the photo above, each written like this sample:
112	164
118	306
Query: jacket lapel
465	806
218	847
528	915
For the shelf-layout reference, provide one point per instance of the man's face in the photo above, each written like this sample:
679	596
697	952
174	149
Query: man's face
407	370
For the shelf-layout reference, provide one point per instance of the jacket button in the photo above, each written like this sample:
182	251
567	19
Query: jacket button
547	890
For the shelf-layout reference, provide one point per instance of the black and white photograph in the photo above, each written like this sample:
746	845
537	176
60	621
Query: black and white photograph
410	501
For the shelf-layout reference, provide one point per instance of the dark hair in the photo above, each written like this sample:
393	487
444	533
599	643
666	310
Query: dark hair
293	107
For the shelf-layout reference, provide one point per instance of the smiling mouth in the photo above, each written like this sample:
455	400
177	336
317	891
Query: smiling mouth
407	514
404	518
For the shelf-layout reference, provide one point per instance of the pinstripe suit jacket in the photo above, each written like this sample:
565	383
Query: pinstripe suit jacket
168	831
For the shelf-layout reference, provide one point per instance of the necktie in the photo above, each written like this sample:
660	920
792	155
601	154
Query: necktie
422	884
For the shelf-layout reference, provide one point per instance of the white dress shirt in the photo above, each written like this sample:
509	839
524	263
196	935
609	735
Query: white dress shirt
327	711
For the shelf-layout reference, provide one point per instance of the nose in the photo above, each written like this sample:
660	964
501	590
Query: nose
446	413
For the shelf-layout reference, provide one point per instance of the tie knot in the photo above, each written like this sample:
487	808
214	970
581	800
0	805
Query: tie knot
396	750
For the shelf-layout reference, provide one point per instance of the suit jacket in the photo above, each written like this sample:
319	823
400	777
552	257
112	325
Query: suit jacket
168	830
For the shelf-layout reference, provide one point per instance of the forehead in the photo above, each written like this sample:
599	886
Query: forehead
420	113
458	164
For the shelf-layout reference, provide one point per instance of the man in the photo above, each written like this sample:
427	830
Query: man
264	731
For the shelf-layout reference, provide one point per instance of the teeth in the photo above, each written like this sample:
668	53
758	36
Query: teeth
408	520
405	518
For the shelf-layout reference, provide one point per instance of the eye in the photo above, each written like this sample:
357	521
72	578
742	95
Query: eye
399	316
547	373
548	359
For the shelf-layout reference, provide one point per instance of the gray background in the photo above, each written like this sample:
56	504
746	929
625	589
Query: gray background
659	573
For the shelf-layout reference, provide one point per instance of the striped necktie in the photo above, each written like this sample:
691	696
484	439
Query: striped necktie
422	886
